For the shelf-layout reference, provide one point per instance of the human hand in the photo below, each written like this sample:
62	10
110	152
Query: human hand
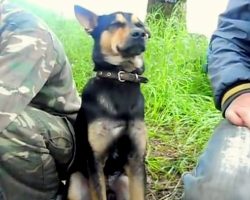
238	112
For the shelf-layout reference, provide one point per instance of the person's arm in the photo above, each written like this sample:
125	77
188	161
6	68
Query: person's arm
229	60
30	63
59	95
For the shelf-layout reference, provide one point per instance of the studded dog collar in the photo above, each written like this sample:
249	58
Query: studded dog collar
122	76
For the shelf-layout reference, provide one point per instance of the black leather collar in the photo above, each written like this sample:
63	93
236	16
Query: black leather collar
122	76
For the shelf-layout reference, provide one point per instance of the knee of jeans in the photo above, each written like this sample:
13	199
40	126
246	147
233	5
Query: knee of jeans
223	170
217	184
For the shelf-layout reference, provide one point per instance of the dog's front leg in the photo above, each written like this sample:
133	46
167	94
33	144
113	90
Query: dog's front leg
136	175
99	138
135	169
97	181
78	187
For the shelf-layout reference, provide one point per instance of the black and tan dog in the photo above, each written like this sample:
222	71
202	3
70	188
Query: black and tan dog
110	130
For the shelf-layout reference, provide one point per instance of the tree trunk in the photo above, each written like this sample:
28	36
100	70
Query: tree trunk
166	6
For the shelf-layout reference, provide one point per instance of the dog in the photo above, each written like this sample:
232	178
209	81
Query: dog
111	136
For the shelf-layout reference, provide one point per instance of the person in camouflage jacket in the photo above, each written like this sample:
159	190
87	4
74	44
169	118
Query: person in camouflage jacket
38	105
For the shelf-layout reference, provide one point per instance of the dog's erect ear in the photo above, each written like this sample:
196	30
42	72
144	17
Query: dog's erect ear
86	18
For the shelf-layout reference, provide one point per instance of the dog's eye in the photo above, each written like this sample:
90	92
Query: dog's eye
139	25
117	24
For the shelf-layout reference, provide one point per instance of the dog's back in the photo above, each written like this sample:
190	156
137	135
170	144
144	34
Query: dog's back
110	129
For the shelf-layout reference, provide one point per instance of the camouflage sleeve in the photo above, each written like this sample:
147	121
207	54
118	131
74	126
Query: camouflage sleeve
33	68
59	95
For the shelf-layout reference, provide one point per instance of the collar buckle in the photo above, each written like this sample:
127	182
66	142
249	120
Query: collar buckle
120	73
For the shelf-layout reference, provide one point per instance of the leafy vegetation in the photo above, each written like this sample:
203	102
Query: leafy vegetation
180	113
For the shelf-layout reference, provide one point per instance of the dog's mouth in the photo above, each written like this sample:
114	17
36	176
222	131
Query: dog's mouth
132	49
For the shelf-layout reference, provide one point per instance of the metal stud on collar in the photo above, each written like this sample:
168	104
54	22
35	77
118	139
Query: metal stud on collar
136	77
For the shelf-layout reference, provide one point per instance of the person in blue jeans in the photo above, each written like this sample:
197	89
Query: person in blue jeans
223	170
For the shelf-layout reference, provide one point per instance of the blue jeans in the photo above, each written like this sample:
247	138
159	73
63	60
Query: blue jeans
223	170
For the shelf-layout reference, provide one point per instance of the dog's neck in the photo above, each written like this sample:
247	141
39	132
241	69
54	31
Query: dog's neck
126	66
112	68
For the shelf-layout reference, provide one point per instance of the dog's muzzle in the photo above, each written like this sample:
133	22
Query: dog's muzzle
135	44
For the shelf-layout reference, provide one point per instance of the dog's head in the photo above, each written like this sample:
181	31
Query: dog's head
119	38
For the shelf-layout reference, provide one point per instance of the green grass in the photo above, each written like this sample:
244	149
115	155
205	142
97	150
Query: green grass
180	113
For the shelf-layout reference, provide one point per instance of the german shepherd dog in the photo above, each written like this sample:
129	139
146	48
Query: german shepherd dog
110	129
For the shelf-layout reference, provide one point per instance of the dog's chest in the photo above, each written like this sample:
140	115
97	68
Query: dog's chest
113	99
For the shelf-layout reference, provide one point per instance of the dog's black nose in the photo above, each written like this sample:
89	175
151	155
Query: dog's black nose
137	33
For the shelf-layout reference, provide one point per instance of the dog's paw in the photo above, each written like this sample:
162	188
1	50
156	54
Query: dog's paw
111	195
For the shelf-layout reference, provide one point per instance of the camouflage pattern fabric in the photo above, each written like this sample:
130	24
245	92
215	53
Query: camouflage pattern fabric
38	104
31	146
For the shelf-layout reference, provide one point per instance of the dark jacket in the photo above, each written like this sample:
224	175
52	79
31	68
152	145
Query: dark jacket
229	54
